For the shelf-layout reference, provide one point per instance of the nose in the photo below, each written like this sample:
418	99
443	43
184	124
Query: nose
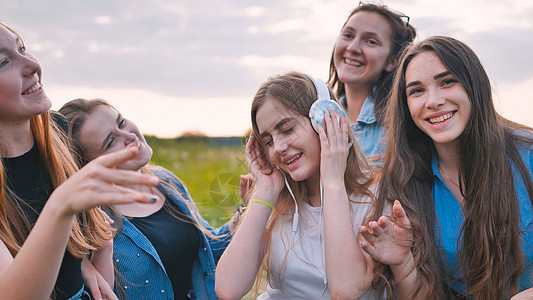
280	145
434	99
130	137
354	46
30	65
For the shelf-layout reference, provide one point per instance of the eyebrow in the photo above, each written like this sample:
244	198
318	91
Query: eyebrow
440	75
17	41
278	125
371	33
119	116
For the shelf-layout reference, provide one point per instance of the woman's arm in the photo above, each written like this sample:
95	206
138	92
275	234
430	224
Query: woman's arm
95	282
524	295
348	275
238	266
390	243
33	272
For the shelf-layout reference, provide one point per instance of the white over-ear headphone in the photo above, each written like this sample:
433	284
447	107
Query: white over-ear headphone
322	104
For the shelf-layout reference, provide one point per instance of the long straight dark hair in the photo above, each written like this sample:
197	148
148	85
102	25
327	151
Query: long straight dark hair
491	257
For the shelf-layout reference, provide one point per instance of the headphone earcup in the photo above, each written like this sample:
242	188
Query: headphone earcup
321	107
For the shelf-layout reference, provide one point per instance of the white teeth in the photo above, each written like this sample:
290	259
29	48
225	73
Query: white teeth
440	118
33	89
351	62
293	159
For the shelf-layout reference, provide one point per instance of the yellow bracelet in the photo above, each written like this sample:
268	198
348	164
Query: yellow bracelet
263	202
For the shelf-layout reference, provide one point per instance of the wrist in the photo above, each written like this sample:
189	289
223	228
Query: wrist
57	210
403	268
266	195
258	201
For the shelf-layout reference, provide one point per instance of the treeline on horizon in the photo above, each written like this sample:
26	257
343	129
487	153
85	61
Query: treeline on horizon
202	138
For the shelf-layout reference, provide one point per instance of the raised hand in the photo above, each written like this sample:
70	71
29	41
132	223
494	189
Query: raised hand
245	188
389	241
334	147
265	183
98	184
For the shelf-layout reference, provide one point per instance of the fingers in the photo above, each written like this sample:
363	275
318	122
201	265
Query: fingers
378	227
106	217
245	187
400	215
367	234
368	249
335	130
89	277
106	290
322	135
123	177
123	195
117	158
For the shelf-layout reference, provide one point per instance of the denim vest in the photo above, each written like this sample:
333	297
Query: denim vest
367	131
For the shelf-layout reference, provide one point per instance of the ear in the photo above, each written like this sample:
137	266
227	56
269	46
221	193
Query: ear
391	65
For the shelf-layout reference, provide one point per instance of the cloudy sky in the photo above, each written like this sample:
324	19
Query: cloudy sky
183	65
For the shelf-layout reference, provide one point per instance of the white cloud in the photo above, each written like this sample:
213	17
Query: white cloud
163	115
287	25
102	20
515	101
250	12
58	53
271	65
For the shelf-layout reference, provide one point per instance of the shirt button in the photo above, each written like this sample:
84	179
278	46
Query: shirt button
205	249
138	255
125	287
117	260
146	281
162	291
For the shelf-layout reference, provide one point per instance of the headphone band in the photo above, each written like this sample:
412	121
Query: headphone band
321	88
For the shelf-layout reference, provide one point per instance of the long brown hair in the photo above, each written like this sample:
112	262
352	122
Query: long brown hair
401	36
297	93
491	258
88	231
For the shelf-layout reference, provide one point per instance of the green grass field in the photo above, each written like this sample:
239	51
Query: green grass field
208	169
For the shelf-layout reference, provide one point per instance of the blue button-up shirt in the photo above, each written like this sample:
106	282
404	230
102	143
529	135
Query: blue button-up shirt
142	274
366	129
450	217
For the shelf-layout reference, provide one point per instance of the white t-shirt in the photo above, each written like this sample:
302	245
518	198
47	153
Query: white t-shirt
297	263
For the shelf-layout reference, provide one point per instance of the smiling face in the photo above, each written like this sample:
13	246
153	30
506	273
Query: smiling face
106	131
21	93
291	142
438	102
362	50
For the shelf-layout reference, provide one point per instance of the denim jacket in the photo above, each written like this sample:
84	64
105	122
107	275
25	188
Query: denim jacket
142	274
367	130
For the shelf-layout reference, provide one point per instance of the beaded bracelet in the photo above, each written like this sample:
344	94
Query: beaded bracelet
263	202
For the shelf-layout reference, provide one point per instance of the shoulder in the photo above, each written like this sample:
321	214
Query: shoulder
169	177
165	174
